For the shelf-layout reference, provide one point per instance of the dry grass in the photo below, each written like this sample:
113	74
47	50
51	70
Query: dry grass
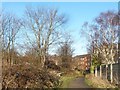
97	82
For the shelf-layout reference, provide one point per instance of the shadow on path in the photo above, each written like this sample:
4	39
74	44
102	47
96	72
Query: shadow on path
78	83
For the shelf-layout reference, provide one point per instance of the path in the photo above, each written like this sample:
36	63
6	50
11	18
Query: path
78	83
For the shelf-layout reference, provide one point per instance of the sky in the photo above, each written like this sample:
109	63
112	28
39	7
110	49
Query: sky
76	12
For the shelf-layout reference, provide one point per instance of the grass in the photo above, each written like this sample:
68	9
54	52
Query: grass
89	82
68	77
97	82
65	80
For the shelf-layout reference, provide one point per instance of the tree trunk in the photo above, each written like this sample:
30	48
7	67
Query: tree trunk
43	61
12	53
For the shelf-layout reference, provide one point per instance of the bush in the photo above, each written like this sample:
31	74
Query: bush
27	76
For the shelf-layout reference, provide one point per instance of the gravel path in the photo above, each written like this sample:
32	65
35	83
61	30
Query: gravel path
78	83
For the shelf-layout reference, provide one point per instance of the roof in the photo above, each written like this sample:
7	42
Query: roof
82	56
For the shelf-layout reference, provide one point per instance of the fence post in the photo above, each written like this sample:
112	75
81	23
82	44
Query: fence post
106	70
95	71
111	73
100	71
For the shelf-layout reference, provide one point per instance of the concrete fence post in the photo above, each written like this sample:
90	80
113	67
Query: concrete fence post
111	73
100	71
95	71
106	70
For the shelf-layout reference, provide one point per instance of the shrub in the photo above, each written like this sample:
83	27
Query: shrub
27	76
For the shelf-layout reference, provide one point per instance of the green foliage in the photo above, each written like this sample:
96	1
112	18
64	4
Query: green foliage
92	69
65	80
96	61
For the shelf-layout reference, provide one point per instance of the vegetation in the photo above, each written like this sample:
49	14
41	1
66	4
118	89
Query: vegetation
68	77
43	30
97	82
65	80
30	70
27	76
102	35
65	52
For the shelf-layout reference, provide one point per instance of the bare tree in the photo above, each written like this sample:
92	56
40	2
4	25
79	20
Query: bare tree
45	25
65	51
103	34
11	25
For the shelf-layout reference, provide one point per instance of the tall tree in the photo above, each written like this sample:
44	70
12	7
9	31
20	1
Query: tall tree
11	25
45	25
103	34
65	51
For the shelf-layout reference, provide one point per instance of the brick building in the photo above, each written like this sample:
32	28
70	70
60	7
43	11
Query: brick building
82	62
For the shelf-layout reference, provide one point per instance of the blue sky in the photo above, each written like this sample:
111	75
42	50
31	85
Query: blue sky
77	13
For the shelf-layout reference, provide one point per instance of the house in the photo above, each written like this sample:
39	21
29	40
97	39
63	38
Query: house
82	62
